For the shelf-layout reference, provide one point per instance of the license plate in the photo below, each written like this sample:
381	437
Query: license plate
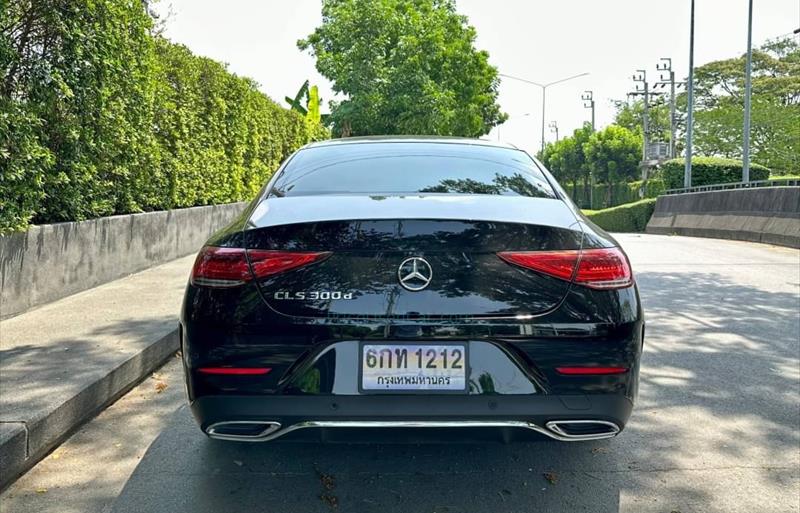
414	367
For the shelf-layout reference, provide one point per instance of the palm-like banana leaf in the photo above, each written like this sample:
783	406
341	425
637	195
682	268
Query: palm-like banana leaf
301	98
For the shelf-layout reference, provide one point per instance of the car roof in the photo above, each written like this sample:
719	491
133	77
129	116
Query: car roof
428	139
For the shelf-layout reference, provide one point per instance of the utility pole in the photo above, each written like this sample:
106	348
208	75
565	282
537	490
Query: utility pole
642	88
544	93
554	128
747	91
687	171
666	66
588	103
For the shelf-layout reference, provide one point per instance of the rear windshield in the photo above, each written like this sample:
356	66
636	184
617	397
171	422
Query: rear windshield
411	168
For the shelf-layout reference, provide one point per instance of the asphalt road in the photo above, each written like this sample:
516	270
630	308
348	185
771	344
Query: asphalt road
716	426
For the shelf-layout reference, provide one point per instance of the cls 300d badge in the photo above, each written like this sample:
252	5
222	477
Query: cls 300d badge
312	295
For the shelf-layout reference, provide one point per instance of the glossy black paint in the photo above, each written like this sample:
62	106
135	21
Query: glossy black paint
520	325
469	278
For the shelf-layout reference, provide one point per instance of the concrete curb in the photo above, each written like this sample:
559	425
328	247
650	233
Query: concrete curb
23	444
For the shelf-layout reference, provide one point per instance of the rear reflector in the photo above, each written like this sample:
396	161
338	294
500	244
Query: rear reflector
590	371
604	268
235	371
229	267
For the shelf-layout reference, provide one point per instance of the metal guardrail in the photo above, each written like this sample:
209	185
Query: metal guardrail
788	182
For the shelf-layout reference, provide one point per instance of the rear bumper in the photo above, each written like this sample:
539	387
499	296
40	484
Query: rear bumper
295	415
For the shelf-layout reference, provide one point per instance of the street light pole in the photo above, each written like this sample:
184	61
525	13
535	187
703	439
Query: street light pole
747	91
544	91
687	171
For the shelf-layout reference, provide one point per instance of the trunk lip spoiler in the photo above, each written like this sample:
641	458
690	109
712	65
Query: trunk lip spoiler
552	212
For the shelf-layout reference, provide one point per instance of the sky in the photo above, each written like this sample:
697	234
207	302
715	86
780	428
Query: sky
542	41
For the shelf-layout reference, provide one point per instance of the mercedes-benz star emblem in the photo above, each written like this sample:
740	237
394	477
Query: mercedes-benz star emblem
415	274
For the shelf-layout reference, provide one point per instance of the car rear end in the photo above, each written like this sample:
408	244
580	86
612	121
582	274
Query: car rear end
411	284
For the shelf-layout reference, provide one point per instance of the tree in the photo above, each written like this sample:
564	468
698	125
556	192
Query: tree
560	157
296	103
775	118
98	116
310	110
313	115
78	71
612	155
630	115
405	67
566	159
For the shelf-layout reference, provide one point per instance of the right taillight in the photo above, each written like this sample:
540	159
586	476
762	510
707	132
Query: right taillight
603	268
231	267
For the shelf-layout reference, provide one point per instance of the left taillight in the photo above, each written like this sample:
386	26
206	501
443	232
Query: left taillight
231	267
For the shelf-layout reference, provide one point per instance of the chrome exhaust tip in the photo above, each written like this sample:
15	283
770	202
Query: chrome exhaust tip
262	431
242	430
578	430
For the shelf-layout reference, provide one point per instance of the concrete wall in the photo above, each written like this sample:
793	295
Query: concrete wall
766	214
52	261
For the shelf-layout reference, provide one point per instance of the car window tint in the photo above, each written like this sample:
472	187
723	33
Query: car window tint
411	168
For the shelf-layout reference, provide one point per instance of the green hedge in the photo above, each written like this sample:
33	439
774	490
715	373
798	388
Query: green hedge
709	171
598	198
98	116
654	187
632	217
626	192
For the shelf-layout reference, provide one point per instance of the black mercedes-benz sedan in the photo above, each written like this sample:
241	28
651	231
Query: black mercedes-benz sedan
386	285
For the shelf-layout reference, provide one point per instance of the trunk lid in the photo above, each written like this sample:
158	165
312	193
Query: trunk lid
430	256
